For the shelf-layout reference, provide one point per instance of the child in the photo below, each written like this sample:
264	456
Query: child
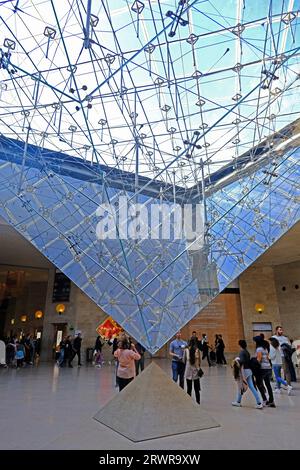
98	356
20	354
238	376
98	359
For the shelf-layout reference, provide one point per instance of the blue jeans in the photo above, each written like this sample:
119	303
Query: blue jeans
277	373
253	390
61	357
178	371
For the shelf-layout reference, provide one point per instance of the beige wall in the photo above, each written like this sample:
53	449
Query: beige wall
257	285
81	314
31	300
288	276
26	294
52	317
222	316
87	317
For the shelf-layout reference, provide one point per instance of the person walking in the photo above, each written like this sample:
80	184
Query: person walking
177	348
217	349
98	352
77	348
126	356
192	360
140	364
61	360
290	353
28	345
199	344
285	361
246	376
205	349
11	351
115	346
262	357
276	359
69	352
20	354
220	348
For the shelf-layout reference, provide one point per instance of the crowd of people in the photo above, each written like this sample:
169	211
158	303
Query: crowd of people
272	361
129	356
256	373
186	359
69	347
22	351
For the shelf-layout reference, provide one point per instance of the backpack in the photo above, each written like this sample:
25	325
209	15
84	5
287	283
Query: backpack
254	366
287	350
20	354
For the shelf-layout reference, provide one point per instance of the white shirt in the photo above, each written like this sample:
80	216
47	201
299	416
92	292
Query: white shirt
275	356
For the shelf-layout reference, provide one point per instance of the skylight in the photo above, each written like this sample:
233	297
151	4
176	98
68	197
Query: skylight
168	90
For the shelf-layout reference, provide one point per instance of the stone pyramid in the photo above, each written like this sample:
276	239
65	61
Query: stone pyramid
153	406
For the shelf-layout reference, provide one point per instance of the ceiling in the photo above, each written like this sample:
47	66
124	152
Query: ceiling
15	250
285	250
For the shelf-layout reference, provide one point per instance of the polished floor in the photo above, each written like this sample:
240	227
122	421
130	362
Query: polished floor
50	408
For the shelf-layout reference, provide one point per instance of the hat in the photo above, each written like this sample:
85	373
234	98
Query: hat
257	338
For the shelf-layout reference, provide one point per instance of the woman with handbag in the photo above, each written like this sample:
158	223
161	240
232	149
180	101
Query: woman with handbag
193	371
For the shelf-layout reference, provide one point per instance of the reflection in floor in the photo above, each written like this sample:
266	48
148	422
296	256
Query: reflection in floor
51	408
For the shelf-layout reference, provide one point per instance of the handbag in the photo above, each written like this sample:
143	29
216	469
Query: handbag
200	372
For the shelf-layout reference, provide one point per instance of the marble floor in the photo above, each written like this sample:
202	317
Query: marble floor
50	408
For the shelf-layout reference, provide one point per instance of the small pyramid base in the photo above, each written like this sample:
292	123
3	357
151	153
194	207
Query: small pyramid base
153	406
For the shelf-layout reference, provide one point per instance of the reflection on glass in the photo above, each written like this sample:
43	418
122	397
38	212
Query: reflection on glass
150	287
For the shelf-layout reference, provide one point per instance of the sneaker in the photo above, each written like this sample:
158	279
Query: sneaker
236	403
277	390
271	404
259	406
289	389
264	403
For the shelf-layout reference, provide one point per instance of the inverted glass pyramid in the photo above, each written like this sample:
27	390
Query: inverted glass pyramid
151	287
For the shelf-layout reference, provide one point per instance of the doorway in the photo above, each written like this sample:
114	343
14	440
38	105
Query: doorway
60	330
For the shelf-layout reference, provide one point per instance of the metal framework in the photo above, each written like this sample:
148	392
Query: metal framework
128	83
